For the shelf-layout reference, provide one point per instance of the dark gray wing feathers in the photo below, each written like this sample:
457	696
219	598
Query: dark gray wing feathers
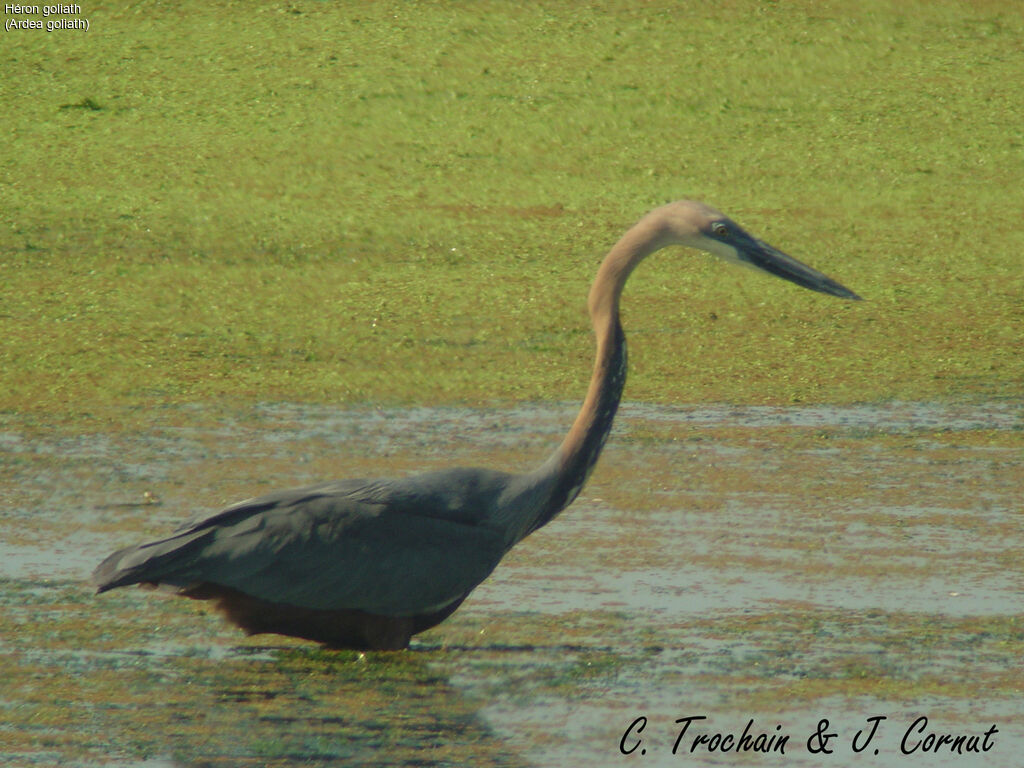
395	548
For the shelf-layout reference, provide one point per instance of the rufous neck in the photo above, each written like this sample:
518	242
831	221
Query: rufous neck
569	466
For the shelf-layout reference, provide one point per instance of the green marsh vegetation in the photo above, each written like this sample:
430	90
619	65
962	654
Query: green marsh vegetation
225	204
405	202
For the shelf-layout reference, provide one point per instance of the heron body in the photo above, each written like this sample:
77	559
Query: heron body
367	564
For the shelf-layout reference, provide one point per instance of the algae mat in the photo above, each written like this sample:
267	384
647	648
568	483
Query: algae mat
404	202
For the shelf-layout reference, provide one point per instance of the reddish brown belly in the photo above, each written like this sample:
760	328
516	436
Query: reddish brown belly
353	629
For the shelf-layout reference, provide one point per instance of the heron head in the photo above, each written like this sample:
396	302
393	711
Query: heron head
700	226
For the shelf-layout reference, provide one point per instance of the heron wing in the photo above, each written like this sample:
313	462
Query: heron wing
386	547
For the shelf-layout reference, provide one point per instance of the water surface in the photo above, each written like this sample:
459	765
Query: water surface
780	565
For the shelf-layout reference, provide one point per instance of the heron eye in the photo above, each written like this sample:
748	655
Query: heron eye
721	230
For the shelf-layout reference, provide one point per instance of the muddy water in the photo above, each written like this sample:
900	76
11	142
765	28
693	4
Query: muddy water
771	566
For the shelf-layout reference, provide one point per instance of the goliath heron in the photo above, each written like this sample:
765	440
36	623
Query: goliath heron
367	564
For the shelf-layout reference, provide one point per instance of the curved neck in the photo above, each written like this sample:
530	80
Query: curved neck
565	472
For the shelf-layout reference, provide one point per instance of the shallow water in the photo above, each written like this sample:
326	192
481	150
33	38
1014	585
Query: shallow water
779	564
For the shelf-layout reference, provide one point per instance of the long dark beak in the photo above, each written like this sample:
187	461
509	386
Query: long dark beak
757	253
